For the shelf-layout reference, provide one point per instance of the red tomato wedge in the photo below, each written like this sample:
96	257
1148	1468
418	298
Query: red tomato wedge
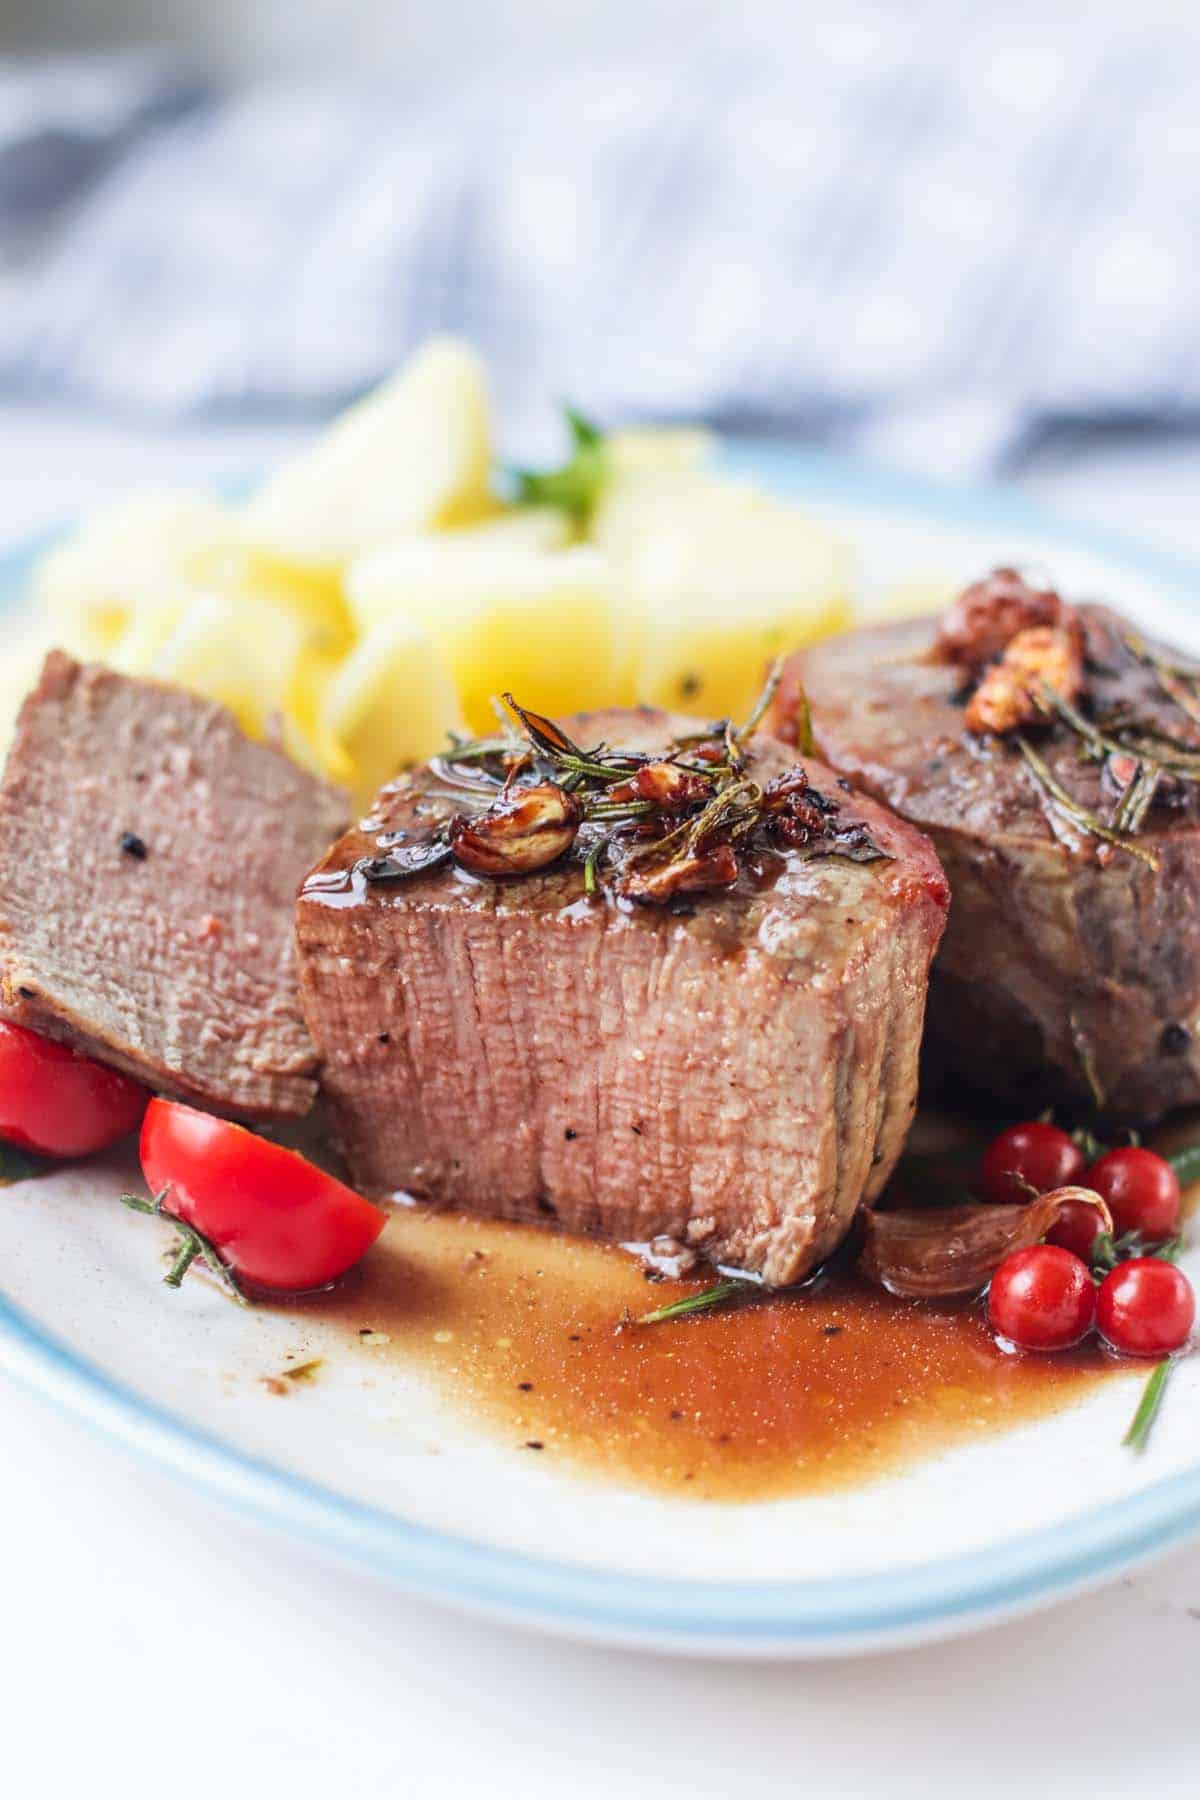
58	1102
274	1217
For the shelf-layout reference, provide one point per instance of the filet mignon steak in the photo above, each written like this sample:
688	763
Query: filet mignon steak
149	859
1070	969
733	1073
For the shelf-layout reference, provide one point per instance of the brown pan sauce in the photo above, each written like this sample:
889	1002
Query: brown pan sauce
826	1387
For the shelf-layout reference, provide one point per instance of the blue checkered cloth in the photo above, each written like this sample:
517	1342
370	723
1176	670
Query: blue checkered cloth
858	221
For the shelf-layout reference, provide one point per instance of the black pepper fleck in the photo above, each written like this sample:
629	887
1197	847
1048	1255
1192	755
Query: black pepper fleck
1175	1040
534	1444
637	1130
832	1330
526	1387
27	993
385	1037
133	845
570	1134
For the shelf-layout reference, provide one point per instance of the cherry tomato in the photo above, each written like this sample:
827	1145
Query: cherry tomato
1077	1227
1042	1298
1034	1153
276	1219
1141	1189
1146	1307
58	1102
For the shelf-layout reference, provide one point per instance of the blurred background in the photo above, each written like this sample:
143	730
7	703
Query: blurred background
958	239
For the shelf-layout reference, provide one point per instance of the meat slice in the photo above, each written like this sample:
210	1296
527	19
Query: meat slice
1070	969
149	859
733	1073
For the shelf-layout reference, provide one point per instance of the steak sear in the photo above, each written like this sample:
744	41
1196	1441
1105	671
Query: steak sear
1070	969
149	858
732	1069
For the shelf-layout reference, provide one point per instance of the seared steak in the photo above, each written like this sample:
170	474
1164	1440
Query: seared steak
1070	970
733	1072
149	859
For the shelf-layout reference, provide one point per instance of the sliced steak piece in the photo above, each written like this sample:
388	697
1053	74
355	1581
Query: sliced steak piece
149	860
1070	970
734	1075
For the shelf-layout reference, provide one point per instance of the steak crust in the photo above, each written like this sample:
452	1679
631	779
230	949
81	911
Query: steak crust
149	857
1070	970
735	1075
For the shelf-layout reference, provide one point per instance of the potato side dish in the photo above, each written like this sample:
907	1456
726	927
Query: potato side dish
386	582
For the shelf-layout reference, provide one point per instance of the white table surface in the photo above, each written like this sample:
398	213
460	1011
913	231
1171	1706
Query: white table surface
153	1644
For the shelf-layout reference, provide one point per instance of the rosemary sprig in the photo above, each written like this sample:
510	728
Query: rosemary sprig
805	741
1175	678
192	1244
1076	811
1176	759
1137	798
721	1293
758	711
1142	1423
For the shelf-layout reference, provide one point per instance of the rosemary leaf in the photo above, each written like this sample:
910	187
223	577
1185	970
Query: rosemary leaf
721	1293
805	741
1080	814
1173	677
192	1244
1142	1423
1138	798
757	711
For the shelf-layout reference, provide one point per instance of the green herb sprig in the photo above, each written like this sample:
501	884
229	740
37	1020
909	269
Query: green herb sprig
709	1299
1149	1406
191	1244
576	487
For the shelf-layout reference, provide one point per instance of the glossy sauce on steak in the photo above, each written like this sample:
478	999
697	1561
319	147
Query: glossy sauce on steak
1070	969
733	1073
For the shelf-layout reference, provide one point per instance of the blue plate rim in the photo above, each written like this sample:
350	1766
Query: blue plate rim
819	1616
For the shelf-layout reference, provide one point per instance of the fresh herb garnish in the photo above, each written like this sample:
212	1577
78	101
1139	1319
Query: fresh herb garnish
1108	1251
1142	1423
1075	810
191	1244
576	487
687	819
721	1293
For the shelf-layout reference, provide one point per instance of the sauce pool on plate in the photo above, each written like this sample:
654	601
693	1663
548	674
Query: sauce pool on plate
825	1388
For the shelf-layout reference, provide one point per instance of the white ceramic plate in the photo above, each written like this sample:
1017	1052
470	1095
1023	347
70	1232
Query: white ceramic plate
376	1467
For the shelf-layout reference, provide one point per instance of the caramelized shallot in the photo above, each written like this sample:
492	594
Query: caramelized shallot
1041	656
933	1252
985	618
653	885
527	830
664	785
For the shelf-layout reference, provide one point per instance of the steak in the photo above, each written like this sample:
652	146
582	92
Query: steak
1070	969
149	859
733	1073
